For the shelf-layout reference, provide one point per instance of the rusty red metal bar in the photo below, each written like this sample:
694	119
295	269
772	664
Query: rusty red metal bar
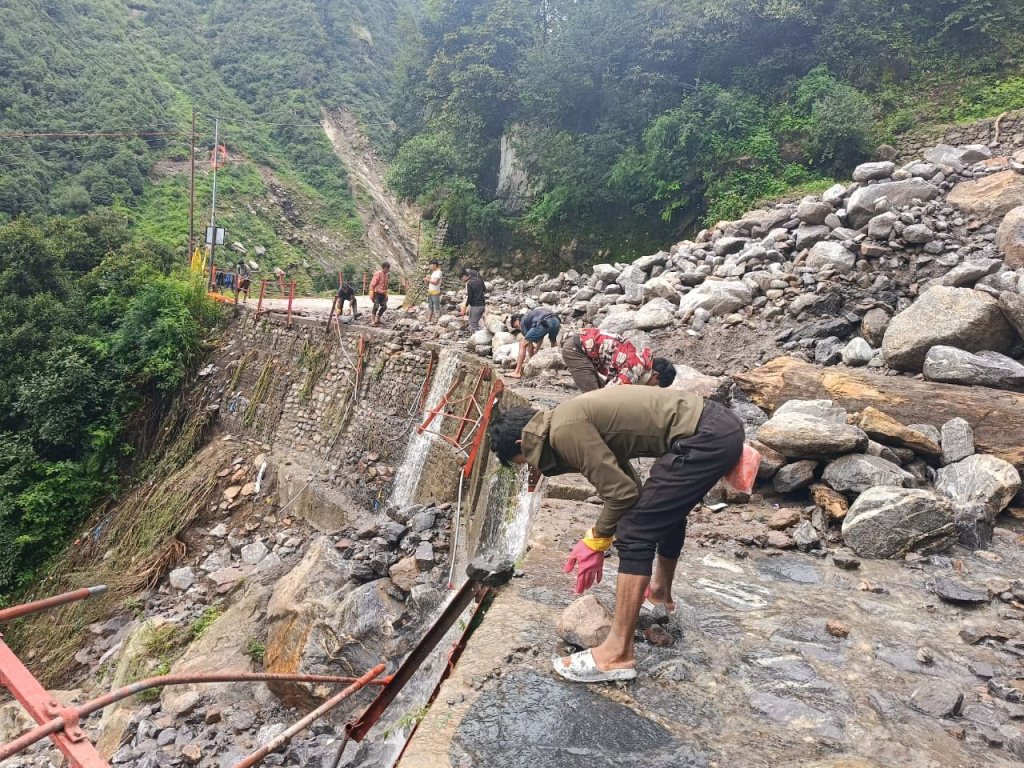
9	614
263	290
59	723
300	725
291	298
492	400
483	576
472	403
440	406
16	677
364	284
43	708
330	317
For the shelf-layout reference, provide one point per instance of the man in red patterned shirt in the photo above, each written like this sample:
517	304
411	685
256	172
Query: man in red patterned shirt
597	359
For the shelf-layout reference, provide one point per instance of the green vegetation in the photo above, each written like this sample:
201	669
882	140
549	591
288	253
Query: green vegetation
96	326
640	119
210	615
269	68
255	650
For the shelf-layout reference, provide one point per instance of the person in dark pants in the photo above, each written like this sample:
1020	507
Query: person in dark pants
476	297
597	359
243	279
379	293
534	325
347	293
696	443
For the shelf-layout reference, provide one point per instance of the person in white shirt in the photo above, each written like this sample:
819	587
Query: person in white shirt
433	290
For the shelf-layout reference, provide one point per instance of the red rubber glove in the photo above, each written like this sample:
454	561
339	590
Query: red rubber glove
591	565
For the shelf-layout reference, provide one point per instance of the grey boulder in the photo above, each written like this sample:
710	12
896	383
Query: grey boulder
980	479
857	473
861	205
957	441
955	317
799	436
890	522
828	254
986	369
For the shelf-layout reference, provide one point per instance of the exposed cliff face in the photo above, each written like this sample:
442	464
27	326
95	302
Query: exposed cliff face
391	226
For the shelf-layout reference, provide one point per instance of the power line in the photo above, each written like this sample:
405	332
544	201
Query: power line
90	135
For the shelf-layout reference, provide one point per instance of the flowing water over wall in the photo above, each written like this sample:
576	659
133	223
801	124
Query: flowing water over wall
408	476
497	524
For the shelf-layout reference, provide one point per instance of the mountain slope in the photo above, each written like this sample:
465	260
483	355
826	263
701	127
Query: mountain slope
269	69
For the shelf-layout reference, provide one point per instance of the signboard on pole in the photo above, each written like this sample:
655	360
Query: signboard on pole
217	232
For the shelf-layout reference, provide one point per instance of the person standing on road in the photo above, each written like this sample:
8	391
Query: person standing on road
476	297
597	359
347	293
243	279
534	325
379	292
696	441
433	281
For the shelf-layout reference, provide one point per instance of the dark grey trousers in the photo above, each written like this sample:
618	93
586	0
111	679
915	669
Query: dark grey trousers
678	482
579	365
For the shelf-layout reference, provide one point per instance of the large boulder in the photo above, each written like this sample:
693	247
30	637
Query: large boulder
829	254
955	317
711	387
799	436
1012	305
717	297
618	322
660	288
957	441
606	272
657	313
990	197
957	157
547	359
890	522
1010	237
986	369
980	479
873	171
861	206
857	473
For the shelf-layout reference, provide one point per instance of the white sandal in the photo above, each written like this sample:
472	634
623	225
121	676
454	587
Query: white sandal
583	669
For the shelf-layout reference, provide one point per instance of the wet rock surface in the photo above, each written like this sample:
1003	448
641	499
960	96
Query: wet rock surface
783	660
529	719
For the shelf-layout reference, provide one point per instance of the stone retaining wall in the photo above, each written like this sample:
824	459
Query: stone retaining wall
290	389
1011	136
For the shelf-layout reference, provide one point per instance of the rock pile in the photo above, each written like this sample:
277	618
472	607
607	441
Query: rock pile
934	249
894	488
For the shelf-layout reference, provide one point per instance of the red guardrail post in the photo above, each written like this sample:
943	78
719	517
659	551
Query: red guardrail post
340	281
291	298
364	283
259	307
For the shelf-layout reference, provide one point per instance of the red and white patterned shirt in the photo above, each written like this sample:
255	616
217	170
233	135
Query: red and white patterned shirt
615	358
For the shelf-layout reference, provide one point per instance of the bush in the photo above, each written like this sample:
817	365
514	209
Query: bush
840	128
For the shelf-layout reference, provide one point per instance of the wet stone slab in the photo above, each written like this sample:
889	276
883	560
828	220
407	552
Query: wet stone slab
796	569
527	719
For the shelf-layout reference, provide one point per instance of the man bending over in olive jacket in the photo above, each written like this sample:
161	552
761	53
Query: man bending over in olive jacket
696	441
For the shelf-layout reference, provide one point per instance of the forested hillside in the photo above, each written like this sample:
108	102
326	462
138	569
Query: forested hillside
634	120
268	68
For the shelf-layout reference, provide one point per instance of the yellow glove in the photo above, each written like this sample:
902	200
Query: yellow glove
597	543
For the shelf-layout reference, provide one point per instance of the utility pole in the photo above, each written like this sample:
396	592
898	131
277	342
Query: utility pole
192	191
213	207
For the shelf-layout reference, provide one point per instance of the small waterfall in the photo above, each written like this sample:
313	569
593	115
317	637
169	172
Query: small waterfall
510	508
403	493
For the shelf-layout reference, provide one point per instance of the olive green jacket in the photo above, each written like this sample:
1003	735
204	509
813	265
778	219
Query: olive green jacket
596	434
